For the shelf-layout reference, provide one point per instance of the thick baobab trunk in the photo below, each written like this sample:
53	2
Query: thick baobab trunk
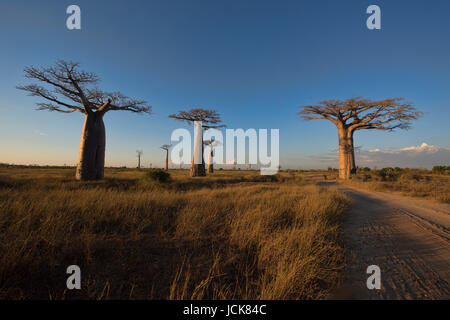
351	153
198	169
166	165
344	151
210	160
91	157
198	163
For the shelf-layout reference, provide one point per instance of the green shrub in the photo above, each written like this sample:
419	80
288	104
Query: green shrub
408	176
441	169
157	175
388	174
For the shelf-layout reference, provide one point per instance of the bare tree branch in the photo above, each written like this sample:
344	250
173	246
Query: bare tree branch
68	82
39	91
52	107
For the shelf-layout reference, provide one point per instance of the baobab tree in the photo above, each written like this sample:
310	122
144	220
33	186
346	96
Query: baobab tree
209	119
139	154
166	147
356	114
211	143
68	89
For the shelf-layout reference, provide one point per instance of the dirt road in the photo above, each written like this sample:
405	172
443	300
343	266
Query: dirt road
408	238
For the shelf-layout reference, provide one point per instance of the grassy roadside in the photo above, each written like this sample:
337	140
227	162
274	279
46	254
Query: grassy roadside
413	183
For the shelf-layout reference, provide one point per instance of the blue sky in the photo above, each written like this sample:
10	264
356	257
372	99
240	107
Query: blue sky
253	61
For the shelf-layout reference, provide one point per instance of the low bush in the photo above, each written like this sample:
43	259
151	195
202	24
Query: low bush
157	175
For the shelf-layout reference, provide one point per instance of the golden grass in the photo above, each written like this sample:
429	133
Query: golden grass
227	236
428	186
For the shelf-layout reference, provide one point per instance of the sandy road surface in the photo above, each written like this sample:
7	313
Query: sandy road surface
408	238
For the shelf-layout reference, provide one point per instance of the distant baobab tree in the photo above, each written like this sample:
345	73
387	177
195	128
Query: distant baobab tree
139	154
211	143
75	90
357	114
166	147
210	119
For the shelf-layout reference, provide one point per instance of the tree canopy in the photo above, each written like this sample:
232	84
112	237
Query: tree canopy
68	89
209	118
166	146
358	113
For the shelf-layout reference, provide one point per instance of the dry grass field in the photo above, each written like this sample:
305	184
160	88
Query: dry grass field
409	182
232	235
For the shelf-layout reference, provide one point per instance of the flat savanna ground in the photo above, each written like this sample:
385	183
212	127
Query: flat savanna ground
231	235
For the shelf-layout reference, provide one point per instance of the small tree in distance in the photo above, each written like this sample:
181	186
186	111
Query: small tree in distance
73	90
211	143
210	119
166	147
139	154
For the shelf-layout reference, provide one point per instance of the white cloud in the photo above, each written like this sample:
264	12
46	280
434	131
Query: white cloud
423	148
424	156
40	133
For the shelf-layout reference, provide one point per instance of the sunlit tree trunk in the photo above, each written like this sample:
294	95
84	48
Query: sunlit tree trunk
344	166
91	158
198	169
351	153
210	160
